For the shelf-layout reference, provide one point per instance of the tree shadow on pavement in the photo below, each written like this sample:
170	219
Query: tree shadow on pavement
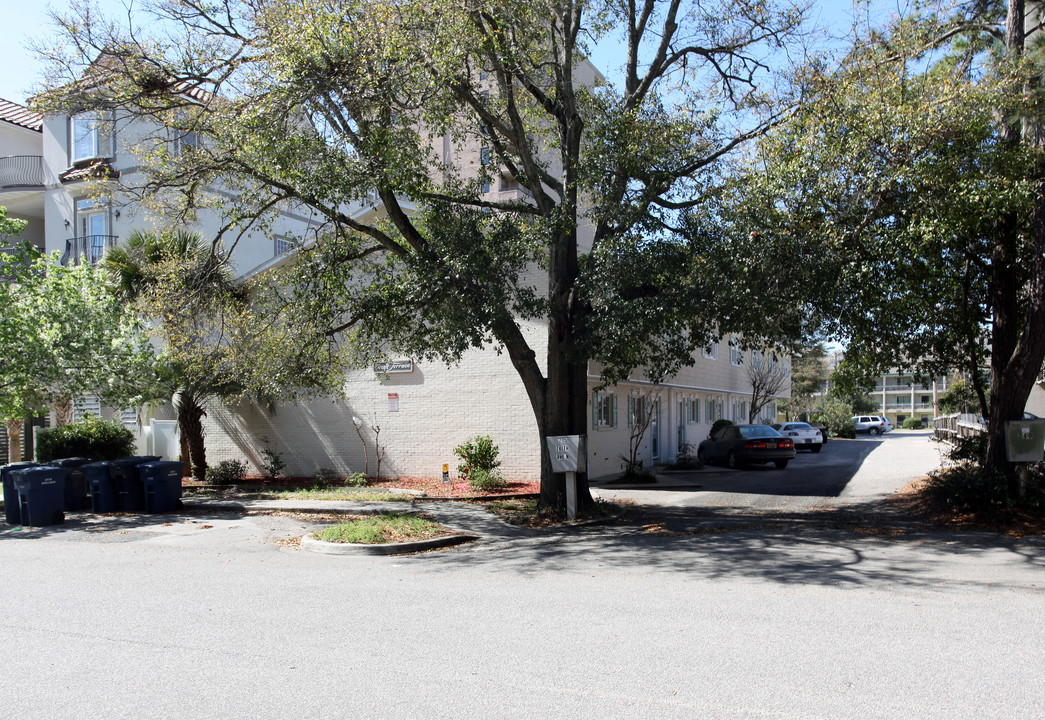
870	545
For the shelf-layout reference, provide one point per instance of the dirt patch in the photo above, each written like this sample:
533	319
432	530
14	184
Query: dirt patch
433	487
912	500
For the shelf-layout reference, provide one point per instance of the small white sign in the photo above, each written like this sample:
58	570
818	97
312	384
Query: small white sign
393	402
568	453
395	366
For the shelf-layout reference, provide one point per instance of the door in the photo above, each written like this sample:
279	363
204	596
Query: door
654	430
681	426
93	229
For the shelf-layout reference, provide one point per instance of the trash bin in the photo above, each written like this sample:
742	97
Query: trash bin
162	483
41	494
101	486
12	510
76	484
130	493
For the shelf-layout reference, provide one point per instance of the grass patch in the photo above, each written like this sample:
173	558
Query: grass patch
382	529
338	493
525	512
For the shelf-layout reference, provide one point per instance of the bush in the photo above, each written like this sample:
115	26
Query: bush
227	472
356	479
272	464
912	424
479	453
90	437
845	428
722	422
964	489
481	479
325	476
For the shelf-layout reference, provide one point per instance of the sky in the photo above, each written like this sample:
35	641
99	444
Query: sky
25	19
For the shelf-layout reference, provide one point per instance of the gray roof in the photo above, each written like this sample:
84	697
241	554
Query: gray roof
20	115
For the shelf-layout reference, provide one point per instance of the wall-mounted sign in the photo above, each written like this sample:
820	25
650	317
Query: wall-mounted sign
393	402
395	366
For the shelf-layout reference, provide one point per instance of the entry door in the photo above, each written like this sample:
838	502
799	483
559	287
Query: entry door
654	430
94	233
681	426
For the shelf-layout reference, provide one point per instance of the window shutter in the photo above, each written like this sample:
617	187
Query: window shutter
614	397
594	410
631	411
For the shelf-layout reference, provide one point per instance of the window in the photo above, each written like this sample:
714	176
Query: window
636	411
284	245
484	156
485	187
185	142
711	351
736	355
89	136
92	229
774	365
603	410
693	410
756	360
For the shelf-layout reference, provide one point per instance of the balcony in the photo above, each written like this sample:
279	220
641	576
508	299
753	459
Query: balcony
22	172
87	248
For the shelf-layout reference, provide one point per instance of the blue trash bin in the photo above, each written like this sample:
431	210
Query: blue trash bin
41	495
76	497
130	493
162	483
101	486
12	510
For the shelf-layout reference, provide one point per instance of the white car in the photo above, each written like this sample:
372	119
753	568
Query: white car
872	424
804	435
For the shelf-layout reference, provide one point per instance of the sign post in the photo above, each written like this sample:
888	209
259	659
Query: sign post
1025	443
569	454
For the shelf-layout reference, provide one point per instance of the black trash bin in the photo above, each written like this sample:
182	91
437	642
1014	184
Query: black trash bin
76	497
130	493
12	510
101	486
162	483
41	495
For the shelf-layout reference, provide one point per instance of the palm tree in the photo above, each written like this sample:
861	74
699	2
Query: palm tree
175	277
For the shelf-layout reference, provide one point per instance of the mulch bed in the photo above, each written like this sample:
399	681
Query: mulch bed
1014	523
432	487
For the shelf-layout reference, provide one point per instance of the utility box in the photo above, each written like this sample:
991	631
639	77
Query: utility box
569	453
1025	440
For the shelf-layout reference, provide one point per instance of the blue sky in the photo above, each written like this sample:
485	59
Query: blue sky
25	19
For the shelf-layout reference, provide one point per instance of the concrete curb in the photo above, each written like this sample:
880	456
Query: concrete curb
328	548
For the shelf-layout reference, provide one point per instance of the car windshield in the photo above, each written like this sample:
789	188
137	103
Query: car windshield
799	426
758	431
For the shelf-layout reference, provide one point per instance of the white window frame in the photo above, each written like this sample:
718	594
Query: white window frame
86	126
603	410
710	352
736	354
636	410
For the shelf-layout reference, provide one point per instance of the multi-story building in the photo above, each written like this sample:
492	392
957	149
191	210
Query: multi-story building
422	410
900	396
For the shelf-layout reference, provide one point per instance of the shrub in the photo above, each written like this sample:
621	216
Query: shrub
481	479
964	489
272	464
912	424
90	437
356	479
478	453
227	472
325	476
845	428
721	422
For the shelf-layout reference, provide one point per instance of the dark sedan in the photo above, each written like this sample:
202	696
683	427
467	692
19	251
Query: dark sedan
738	445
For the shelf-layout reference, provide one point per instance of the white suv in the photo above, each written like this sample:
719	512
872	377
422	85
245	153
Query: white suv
872	424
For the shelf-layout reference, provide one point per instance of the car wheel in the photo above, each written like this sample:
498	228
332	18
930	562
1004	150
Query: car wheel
817	448
872	431
733	460
780	464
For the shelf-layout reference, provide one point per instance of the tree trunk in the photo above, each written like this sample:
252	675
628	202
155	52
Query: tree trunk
14	440
190	422
63	411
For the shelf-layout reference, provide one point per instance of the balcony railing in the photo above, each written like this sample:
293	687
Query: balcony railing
87	248
21	172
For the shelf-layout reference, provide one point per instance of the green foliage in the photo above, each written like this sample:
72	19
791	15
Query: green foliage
64	334
959	397
483	479
844	428
227	472
272	463
477	454
90	437
720	423
396	527
356	479
839	418
965	488
325	476
912	424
